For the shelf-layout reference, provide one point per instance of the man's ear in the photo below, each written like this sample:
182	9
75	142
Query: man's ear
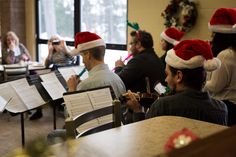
138	44
89	56
179	76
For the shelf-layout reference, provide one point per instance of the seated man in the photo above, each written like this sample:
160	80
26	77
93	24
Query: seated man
144	64
92	48
186	67
143	71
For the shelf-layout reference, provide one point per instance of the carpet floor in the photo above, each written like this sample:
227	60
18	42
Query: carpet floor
10	129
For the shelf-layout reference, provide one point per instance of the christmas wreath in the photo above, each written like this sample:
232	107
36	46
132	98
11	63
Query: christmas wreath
181	14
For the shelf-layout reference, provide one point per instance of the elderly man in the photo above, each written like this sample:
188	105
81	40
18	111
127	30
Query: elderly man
92	48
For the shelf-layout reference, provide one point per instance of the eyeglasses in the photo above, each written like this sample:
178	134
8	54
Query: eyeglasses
132	43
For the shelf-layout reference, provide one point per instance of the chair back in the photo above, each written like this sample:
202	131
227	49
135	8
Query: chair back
15	71
114	110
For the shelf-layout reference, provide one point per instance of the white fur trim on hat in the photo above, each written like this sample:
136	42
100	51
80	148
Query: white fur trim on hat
212	64
222	28
86	46
173	60
168	39
197	61
91	44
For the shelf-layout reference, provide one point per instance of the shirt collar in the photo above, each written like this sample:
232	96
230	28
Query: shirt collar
98	68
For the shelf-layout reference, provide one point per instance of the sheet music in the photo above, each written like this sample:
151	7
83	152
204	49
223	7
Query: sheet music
6	92
3	103
30	97
66	72
23	97
54	89
78	103
50	77
100	98
52	85
19	83
16	104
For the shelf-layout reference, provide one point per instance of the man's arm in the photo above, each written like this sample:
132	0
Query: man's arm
130	72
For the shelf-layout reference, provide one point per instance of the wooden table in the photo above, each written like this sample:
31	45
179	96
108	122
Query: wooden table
145	138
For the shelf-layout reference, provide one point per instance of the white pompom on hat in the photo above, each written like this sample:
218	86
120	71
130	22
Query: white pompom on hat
172	35
85	41
190	54
223	21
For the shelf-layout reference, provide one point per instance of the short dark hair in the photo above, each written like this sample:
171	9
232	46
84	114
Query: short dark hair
192	78
98	52
168	46
222	41
144	37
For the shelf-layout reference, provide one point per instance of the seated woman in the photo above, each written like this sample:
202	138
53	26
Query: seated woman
12	50
58	53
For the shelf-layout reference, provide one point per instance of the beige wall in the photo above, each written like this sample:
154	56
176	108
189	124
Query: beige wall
30	27
148	15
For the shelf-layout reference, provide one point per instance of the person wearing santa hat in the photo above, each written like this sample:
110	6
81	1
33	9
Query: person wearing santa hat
169	38
92	49
186	66
222	83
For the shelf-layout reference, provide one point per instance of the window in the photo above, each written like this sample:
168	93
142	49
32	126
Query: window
104	17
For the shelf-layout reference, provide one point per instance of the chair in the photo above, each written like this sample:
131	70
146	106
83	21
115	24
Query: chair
15	71
114	109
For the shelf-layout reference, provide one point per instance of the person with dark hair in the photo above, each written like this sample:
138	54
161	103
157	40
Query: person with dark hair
144	64
143	71
222	83
186	66
169	38
12	50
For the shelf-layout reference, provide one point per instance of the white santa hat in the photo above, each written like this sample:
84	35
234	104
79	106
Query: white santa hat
190	54
223	21
85	41
172	35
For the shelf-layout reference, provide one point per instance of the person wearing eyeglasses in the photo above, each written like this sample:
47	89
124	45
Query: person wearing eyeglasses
141	72
144	64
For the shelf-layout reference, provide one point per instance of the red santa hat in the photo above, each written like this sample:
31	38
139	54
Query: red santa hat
85	41
223	21
190	54
172	35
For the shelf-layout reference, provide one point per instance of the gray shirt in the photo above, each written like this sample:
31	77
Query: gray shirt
101	76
